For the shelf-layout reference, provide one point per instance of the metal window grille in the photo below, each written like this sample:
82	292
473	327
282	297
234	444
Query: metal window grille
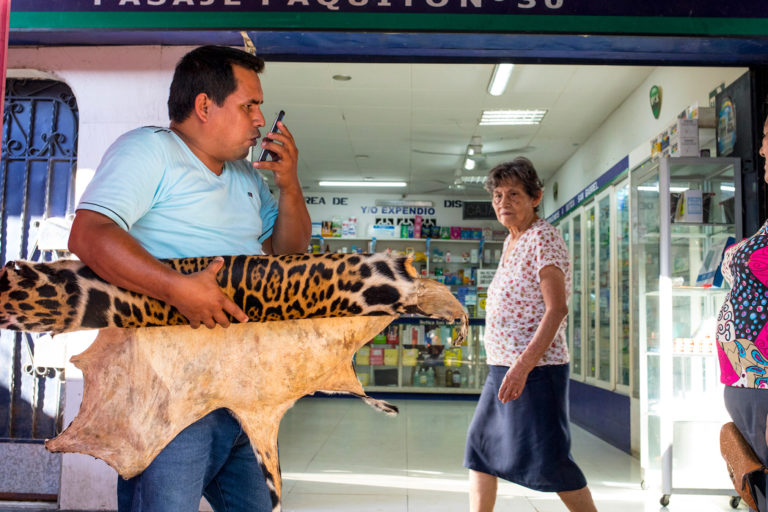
39	153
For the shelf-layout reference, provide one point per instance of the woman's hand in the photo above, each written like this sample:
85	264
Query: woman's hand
514	382
555	300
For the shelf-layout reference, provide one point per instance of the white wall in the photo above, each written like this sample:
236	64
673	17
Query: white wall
630	128
142	75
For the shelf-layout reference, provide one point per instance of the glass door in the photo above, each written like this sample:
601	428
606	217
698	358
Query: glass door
592	290
603	290
577	300
646	218
624	358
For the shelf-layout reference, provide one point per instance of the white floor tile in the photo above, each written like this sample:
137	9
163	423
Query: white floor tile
338	454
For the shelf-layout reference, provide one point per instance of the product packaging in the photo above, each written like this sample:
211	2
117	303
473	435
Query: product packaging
410	356
417	222
363	356
690	207
390	356
684	138
377	356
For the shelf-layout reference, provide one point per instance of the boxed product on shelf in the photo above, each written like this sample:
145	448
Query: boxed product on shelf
413	335
363	378
392	335
684	138
452	356
481	298
363	356
379	339
377	356
349	227
471	233
410	356
390	357
690	207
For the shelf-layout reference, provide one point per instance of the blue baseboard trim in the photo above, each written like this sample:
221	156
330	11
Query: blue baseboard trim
603	413
394	395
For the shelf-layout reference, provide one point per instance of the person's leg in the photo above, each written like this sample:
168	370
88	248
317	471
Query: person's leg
174	481
579	500
482	491
239	486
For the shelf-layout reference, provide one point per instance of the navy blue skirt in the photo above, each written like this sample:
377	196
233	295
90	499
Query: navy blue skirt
526	441
748	408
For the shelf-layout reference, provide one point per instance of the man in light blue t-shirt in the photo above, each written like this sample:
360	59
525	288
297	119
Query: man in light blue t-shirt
184	191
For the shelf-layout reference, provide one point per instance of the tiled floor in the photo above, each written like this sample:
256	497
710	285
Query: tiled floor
339	455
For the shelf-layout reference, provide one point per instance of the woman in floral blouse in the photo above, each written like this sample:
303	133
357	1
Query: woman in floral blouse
742	340
520	431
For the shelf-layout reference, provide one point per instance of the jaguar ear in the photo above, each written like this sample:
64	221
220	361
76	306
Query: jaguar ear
408	265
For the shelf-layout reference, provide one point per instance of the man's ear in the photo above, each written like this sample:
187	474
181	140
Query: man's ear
202	101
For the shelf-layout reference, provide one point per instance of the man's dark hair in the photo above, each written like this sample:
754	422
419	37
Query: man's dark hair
207	69
519	170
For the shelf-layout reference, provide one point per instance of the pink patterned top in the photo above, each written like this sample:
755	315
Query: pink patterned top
515	305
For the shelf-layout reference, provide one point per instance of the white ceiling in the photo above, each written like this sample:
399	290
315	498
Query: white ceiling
413	122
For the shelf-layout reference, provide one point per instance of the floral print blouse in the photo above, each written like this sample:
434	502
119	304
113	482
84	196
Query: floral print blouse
742	324
515	305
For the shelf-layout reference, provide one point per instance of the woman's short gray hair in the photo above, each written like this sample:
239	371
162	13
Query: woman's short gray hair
519	170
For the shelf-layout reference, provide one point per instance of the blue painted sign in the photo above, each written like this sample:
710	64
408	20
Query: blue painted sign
605	179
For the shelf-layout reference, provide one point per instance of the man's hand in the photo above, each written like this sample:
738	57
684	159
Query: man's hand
285	157
293	226
198	297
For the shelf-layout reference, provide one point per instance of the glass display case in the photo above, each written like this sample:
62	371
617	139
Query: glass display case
684	212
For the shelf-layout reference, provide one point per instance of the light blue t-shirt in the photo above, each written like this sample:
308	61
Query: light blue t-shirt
151	184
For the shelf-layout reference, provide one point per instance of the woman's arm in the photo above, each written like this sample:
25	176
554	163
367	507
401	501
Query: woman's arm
552	285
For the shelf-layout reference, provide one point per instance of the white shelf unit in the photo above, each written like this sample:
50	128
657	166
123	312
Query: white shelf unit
403	377
681	399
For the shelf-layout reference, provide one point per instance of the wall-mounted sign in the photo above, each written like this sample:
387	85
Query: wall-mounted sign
604	179
726	127
478	210
656	101
656	17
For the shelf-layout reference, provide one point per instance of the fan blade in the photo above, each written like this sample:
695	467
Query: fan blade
421	151
523	149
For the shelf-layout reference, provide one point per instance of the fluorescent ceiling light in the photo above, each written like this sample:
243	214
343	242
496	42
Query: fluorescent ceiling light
469	164
362	184
727	188
499	79
512	117
655	188
474	179
406	203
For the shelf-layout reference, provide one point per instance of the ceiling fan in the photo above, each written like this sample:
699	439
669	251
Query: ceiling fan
475	151
461	182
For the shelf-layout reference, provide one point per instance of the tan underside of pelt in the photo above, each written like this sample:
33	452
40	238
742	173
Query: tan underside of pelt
144	386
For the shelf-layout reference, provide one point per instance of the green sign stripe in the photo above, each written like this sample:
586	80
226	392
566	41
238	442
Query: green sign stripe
390	21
